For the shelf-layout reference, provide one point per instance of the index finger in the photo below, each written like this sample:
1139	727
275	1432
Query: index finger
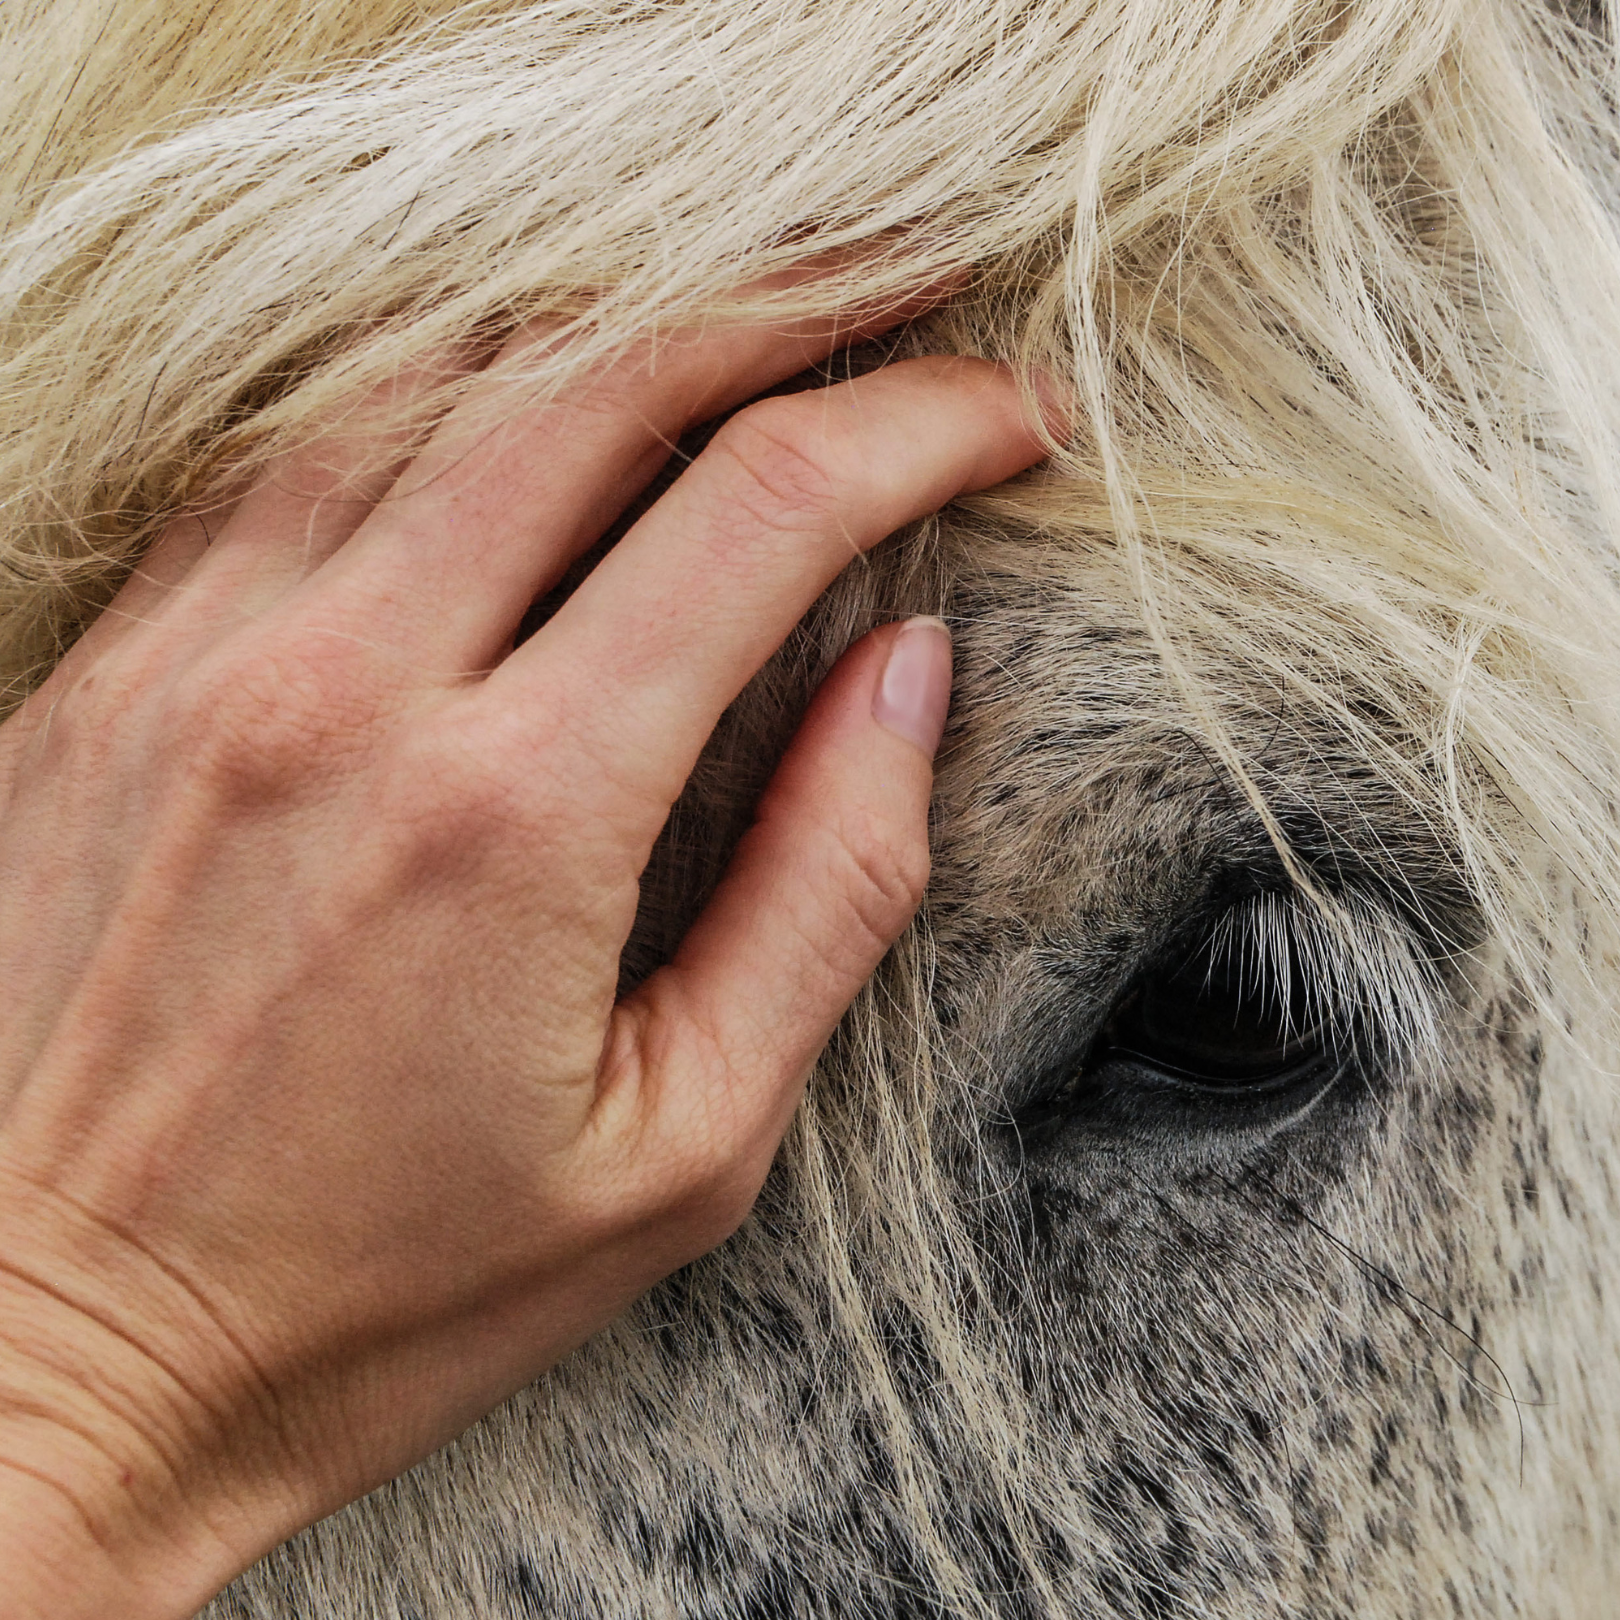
501	511
673	623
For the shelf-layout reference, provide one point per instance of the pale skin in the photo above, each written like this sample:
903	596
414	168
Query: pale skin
321	1130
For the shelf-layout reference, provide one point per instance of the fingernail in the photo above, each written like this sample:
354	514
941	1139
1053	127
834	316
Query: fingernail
912	698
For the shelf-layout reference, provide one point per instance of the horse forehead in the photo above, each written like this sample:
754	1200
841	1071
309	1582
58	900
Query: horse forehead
1070	736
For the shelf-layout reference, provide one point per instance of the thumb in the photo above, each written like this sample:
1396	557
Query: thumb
822	885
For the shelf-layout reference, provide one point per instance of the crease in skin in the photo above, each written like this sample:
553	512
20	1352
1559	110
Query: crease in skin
129	1239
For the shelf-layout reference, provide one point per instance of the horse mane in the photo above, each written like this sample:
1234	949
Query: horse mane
1335	283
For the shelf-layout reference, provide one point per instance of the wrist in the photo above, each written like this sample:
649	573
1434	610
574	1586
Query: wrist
71	1551
121	1491
91	1523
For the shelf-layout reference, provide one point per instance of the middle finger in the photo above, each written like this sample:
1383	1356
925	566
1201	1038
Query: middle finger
488	518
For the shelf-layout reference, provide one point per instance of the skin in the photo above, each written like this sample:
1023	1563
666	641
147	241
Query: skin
321	1131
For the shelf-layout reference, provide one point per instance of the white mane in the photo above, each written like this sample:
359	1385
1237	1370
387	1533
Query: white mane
1336	283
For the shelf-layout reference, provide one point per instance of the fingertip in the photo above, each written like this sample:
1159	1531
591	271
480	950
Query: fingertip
1056	405
913	693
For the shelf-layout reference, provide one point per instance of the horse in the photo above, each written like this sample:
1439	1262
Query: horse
1208	1209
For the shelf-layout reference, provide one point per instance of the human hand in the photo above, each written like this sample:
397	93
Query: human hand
321	1130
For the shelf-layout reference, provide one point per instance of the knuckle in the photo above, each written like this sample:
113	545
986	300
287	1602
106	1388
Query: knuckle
464	814
474	773
89	703
269	716
883	879
779	465
89	713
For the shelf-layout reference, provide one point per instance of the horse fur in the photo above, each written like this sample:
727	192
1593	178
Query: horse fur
1307	633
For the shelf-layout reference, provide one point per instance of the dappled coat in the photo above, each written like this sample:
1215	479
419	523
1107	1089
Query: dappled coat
1208	1209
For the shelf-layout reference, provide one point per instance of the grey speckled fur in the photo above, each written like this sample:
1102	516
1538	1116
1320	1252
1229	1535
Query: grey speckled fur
1333	1369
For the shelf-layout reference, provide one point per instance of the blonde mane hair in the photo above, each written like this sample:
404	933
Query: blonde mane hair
1336	283
1345	263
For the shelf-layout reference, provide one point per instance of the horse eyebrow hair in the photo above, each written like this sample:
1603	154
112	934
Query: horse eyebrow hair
1364	954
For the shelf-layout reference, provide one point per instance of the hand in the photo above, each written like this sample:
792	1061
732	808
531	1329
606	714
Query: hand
320	1129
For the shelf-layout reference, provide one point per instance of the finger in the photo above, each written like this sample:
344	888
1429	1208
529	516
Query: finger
502	510
152	582
210	569
640	662
309	501
715	1047
139	602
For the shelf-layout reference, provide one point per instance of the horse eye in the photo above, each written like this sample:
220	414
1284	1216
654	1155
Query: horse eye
1219	1035
1214	1021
